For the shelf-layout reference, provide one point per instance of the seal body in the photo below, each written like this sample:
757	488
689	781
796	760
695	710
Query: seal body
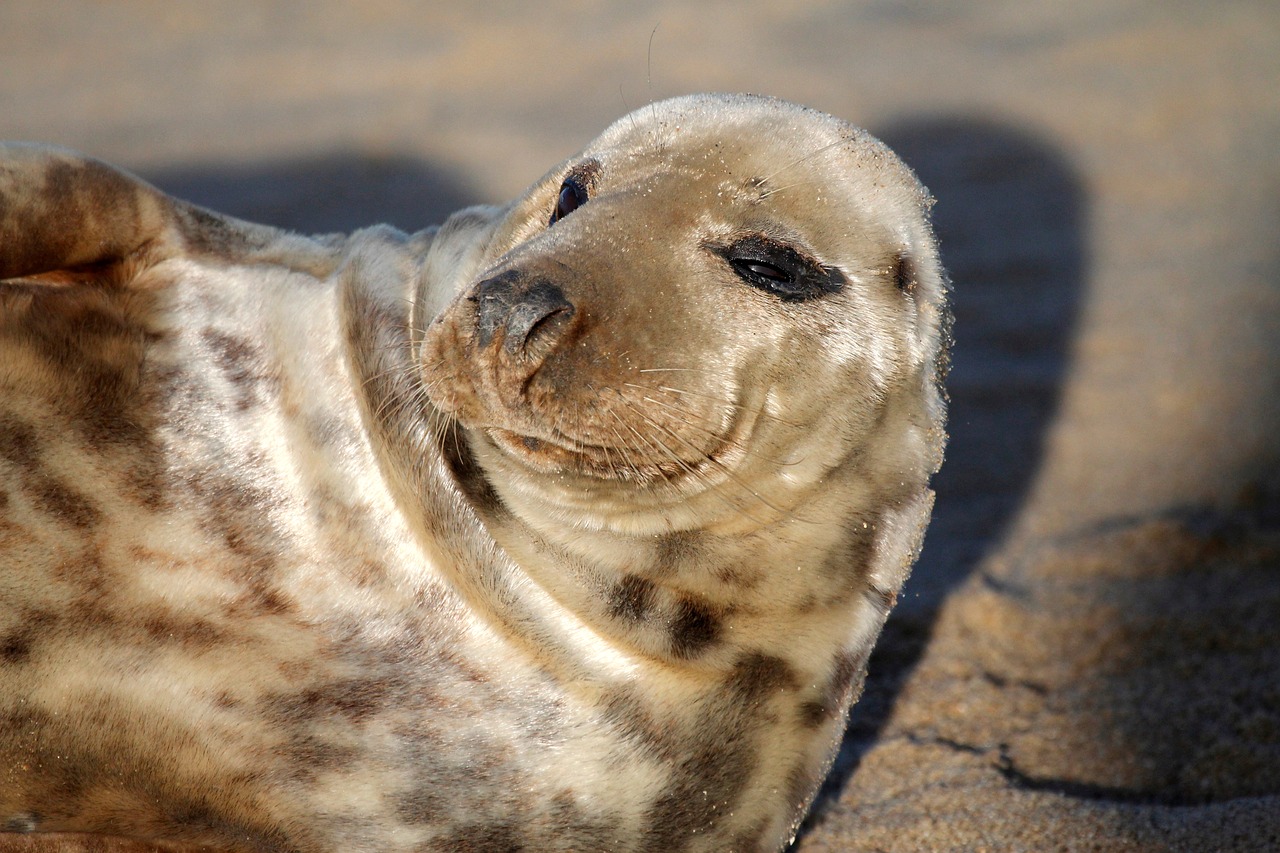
568	525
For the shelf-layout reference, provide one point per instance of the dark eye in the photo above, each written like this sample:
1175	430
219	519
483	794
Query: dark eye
572	196
780	269
759	269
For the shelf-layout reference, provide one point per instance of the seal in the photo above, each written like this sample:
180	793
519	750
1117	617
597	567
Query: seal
568	525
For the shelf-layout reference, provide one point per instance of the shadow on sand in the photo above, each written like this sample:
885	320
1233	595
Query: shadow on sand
335	193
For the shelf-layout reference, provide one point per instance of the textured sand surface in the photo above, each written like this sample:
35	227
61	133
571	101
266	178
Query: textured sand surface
1088	655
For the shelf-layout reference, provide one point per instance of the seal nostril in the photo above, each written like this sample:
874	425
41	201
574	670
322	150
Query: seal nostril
523	309
542	309
493	298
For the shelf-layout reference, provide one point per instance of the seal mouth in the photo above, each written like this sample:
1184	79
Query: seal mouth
548	455
652	458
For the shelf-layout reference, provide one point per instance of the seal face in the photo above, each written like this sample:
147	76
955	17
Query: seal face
568	525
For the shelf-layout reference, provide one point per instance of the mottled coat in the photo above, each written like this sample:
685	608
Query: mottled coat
567	526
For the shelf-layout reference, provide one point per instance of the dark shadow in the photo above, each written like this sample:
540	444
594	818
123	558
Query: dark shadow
1010	220
1189	674
338	192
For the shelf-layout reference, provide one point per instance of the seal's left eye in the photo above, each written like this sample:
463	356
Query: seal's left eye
780	269
572	196
760	269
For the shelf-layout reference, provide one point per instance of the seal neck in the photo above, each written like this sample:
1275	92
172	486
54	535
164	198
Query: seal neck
412	443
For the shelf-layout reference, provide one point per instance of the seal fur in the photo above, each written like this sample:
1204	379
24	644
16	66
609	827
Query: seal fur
568	525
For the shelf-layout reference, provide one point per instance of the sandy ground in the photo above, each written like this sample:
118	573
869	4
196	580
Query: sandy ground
1088	655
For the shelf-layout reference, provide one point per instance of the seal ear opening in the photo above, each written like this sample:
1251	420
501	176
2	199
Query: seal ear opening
905	274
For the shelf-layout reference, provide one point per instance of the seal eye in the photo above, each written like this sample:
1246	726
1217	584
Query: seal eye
780	269
759	269
572	196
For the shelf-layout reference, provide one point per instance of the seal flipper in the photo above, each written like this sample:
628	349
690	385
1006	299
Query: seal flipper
60	211
67	217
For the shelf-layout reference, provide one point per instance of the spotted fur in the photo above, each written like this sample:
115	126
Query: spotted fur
500	536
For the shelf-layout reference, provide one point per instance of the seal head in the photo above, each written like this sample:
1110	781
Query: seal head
692	322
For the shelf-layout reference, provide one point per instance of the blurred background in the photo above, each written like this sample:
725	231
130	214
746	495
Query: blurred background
1088	654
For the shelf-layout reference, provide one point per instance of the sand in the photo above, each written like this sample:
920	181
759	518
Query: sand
1088	655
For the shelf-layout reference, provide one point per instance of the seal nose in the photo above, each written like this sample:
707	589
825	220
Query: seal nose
527	310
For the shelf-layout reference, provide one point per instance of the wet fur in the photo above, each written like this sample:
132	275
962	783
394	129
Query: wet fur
294	557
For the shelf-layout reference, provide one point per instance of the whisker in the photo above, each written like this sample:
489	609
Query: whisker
718	400
701	476
796	162
625	448
614	470
777	190
689	422
660	145
689	469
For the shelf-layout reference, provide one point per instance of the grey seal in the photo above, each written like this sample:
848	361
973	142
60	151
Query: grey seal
567	525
